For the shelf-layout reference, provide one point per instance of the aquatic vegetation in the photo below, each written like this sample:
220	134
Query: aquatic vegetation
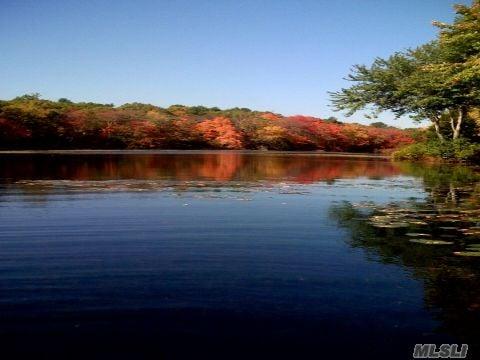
467	253
446	217
418	222
448	227
390	225
447	262
417	234
431	242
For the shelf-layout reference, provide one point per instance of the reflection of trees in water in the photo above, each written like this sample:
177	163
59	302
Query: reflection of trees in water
451	283
220	166
447	185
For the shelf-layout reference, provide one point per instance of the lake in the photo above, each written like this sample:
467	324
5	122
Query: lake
171	255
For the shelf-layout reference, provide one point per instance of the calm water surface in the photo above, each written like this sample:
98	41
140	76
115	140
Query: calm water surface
234	255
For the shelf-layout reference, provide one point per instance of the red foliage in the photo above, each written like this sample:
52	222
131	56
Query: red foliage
220	132
347	137
27	123
13	130
146	135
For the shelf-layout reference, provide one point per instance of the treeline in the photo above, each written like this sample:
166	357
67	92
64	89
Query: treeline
29	122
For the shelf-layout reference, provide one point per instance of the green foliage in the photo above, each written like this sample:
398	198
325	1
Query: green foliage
442	174
27	97
65	101
413	152
379	124
435	80
454	150
397	84
140	107
470	128
460	44
465	150
332	119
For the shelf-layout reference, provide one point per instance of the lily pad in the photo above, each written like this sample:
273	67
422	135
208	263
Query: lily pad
431	242
471	211
418	222
426	212
391	225
445	219
467	253
471	232
383	218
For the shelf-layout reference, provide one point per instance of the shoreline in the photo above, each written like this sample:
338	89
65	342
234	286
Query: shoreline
192	152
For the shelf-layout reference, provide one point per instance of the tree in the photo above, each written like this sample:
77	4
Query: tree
220	133
65	101
460	46
26	97
332	119
440	78
393	85
272	137
379	124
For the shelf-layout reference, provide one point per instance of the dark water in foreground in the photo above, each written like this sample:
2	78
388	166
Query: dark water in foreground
234	255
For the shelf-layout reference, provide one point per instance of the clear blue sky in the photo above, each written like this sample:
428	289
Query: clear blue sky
275	55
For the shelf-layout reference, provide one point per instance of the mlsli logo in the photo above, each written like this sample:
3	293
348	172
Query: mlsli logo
444	351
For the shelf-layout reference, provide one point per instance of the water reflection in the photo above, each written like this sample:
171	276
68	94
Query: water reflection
221	166
436	239
41	174
295	264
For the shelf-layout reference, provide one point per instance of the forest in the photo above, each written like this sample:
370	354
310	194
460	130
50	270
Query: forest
30	122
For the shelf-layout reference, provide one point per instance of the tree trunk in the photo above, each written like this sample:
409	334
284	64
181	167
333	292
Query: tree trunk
436	124
458	126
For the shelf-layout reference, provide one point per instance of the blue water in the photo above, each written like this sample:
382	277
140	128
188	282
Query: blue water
240	268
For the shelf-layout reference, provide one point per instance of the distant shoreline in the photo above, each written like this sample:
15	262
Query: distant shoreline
143	151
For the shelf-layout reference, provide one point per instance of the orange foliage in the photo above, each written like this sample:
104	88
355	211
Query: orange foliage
29	122
270	116
220	132
347	137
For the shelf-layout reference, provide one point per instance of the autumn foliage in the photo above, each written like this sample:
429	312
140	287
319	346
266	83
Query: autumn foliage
28	122
219	132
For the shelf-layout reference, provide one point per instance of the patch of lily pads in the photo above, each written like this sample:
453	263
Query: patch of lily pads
434	226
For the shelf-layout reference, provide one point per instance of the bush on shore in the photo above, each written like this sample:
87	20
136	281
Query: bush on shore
435	150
